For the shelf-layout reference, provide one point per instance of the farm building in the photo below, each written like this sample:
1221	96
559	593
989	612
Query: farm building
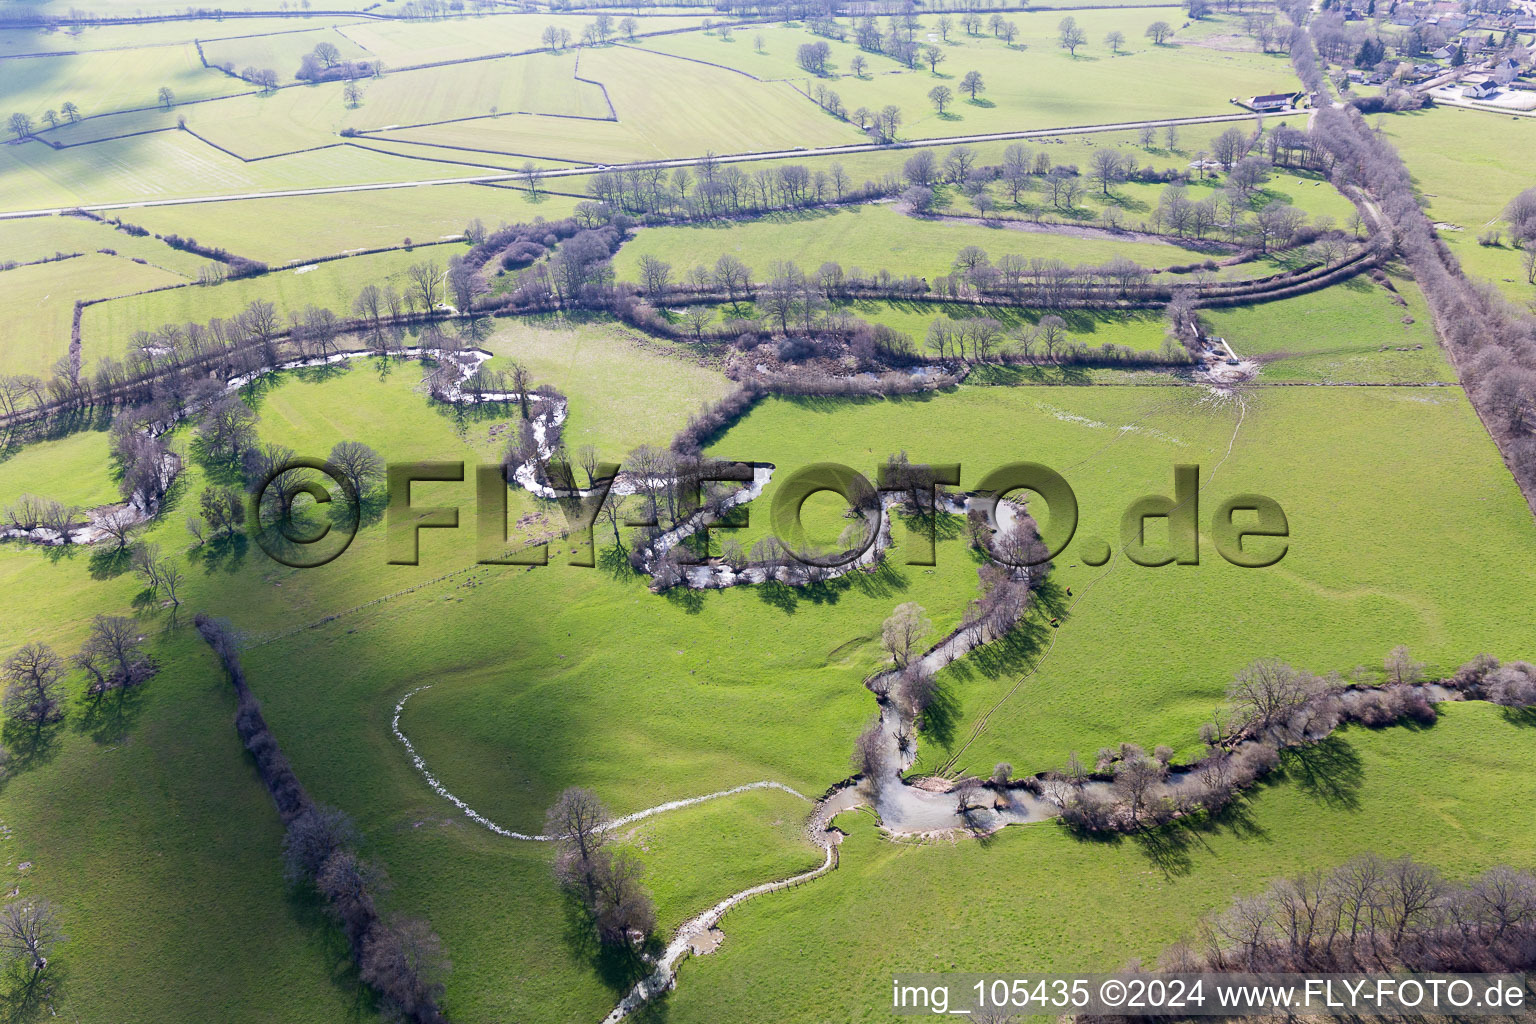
1478	87
1271	101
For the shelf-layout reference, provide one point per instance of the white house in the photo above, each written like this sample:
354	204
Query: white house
1478	87
1272	101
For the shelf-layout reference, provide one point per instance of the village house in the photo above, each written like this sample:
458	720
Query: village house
1271	101
1478	87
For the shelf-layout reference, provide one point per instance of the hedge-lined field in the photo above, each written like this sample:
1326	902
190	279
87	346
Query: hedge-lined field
40	304
871	238
99	83
1453	796
260	229
1468	184
108	326
1355	331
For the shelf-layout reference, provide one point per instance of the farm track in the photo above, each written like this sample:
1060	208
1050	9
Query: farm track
692	161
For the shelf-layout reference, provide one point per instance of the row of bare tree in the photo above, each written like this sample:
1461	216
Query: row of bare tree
1369	914
1492	342
399	957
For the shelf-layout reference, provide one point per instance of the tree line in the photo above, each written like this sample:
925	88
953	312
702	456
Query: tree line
399	957
1492	343
1271	707
1368	914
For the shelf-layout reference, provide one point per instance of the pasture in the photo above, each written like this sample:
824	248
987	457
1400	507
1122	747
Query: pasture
254	228
141	816
625	390
871	238
1345	464
403	43
1031	83
1467	185
1036	895
1355	331
40	304
281	51
108	326
174	164
108	81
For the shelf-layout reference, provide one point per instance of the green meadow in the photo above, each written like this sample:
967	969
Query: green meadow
40	303
871	238
356	220
108	326
1452	796
1357	331
1467	185
1345	464
143	820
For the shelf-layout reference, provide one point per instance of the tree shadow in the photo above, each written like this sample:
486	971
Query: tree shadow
109	718
942	715
107	562
614	560
1167	848
27	999
1329	771
979	102
1520	716
685	597
221	554
778	595
30	745
308	911
617	969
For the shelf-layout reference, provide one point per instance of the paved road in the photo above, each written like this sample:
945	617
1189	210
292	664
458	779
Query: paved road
862	147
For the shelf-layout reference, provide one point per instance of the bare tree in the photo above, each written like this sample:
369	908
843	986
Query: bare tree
404	960
1269	691
29	929
578	825
115	641
903	631
426	280
1402	669
360	464
1069	35
34	691
116	523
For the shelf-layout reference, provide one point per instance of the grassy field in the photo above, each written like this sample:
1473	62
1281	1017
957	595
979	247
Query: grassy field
593	680
40	301
625	391
174	164
740	115
871	238
311	115
39	237
73	469
99	83
282	51
1143	331
143	819
338	223
1035	899
1032	83
1355	331
108	326
1468	184
1344	464
401	43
